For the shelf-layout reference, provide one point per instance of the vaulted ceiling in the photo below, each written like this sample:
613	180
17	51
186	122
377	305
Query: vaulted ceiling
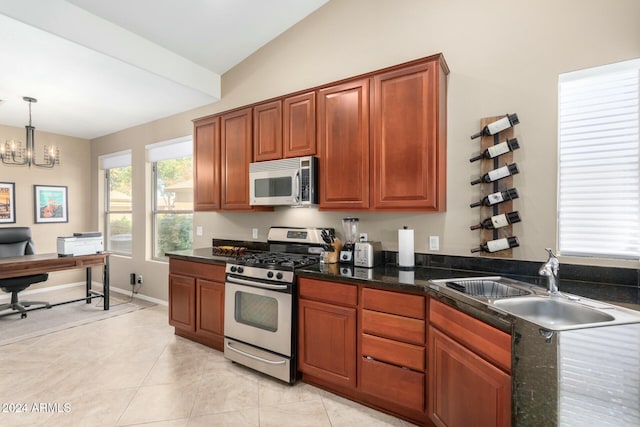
98	66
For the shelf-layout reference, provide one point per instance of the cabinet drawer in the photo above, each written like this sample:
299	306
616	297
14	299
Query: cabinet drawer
485	340
395	352
332	292
397	385
393	303
198	269
393	327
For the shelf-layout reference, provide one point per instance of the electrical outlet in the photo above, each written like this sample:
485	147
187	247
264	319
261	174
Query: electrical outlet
363	237
434	243
254	233
199	230
140	280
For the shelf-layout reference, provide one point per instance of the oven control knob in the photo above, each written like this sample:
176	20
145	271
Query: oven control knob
270	274
279	276
233	269
240	269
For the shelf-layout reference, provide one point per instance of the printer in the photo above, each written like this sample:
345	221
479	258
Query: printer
84	243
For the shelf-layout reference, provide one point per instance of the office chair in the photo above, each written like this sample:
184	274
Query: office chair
14	242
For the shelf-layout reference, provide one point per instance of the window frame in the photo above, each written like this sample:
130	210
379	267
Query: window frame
108	211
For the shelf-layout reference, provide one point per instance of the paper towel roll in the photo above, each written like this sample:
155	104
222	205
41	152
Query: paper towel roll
405	248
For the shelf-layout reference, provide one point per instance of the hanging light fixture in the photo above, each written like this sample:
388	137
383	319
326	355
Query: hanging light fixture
14	154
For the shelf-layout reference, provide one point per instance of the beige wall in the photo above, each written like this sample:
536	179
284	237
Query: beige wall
72	172
504	56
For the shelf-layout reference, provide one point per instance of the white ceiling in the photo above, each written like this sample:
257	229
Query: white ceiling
97	67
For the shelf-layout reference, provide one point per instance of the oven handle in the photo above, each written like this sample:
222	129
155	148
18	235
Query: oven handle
256	284
251	356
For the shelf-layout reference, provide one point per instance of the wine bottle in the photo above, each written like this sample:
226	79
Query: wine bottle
497	197
498	221
497	174
498	126
497	245
497	150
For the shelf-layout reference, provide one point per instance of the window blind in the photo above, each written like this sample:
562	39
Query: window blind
172	149
599	156
115	160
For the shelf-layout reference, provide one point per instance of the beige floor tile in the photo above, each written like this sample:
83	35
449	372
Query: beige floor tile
301	414
133	370
159	403
244	418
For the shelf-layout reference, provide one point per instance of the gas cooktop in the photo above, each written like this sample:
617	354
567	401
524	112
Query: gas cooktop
276	260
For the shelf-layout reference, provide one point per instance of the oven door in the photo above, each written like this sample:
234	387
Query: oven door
259	314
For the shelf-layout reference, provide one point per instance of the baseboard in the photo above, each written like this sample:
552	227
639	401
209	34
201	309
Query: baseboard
7	296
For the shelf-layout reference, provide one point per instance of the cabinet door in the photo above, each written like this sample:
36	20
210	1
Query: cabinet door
327	342
206	163
236	148
267	131
343	138
464	389
409	160
299	135
210	308
182	302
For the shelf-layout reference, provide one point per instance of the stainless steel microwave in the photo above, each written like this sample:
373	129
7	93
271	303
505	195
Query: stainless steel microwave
286	182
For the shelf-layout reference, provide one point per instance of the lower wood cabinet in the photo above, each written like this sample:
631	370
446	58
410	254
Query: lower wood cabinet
327	332
469	382
196	301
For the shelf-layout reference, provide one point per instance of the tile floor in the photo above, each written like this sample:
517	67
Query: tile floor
132	370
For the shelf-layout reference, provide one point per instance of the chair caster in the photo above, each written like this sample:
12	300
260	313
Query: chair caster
23	315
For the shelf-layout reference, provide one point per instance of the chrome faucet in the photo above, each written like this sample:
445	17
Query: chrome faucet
550	270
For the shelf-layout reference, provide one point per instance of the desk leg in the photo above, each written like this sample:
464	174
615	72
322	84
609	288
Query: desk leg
105	281
88	285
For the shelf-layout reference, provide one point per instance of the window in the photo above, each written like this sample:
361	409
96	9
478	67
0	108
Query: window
118	203
599	156
172	205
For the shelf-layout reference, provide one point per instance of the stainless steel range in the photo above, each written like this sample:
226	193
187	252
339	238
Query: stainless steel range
260	295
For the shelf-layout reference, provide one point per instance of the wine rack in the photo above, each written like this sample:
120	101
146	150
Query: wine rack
487	165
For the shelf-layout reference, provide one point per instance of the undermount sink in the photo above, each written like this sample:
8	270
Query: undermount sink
490	287
554	313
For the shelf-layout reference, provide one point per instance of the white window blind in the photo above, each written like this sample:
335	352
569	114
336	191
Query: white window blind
115	160
599	179
172	149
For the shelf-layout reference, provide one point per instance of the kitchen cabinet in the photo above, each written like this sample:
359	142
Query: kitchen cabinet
206	164
236	148
408	163
299	128
327	332
392	351
267	131
343	139
469	370
196	301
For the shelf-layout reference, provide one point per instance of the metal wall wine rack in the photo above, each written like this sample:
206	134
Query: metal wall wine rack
487	165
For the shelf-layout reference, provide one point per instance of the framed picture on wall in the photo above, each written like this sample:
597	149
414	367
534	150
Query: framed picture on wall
50	203
7	202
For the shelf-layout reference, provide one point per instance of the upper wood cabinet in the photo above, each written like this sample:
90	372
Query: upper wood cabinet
236	145
267	131
343	139
299	137
206	163
408	164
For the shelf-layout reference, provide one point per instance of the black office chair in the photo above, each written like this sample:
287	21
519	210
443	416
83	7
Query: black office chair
16	241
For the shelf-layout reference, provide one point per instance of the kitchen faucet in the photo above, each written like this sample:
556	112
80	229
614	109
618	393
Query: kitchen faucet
550	270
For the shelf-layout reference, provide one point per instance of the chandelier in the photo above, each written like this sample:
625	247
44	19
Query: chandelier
12	152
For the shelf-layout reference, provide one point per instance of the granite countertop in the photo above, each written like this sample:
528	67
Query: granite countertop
391	277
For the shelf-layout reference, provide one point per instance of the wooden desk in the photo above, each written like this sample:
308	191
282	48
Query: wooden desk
47	263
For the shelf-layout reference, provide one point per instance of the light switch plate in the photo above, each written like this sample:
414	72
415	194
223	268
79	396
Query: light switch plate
199	230
434	243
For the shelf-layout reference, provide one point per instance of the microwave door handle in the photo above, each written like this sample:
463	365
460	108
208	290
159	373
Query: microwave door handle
297	192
